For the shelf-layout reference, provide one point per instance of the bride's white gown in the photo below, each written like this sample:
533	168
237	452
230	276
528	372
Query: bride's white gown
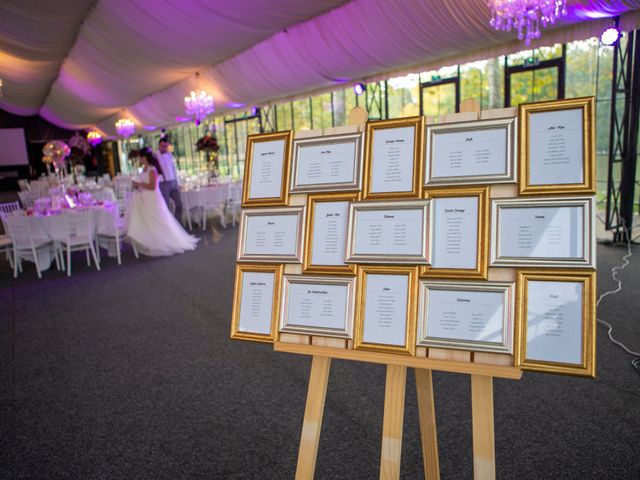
151	225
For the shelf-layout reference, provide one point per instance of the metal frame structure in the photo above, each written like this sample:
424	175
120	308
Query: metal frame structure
623	137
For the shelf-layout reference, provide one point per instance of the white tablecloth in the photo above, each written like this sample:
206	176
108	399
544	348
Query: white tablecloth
53	227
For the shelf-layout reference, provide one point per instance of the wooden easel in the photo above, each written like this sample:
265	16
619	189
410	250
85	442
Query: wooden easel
481	401
482	368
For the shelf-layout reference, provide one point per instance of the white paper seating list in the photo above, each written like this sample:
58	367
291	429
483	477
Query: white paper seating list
556	153
271	235
455	232
393	151
392	231
465	315
329	233
318	305
385	315
266	169
321	164
554	321
542	232
470	153
257	302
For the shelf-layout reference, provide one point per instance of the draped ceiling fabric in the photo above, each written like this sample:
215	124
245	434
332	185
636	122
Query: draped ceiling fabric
85	63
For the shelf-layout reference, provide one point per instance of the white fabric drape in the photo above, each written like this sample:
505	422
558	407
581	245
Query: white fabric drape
141	55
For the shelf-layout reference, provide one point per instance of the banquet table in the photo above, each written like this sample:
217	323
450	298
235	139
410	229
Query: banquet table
209	197
52	226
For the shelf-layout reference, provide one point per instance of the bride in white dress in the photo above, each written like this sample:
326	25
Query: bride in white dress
150	224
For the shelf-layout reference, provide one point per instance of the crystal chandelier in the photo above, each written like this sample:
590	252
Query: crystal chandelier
125	127
199	105
525	16
94	138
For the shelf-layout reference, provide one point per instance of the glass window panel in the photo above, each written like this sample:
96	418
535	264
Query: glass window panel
534	85
439	99
301	114
284	116
581	71
403	95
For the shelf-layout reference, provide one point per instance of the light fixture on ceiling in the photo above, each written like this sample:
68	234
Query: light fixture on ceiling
125	127
358	88
610	36
198	104
94	138
525	16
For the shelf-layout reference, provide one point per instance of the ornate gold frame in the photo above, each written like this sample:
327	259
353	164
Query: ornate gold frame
277	270
283	199
482	246
418	157
307	266
588	184
409	347
587	366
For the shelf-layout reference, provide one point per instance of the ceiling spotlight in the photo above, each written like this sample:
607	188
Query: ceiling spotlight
358	88
610	36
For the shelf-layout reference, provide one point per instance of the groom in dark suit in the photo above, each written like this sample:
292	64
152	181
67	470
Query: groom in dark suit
169	186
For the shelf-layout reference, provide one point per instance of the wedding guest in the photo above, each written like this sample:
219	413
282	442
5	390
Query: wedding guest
169	186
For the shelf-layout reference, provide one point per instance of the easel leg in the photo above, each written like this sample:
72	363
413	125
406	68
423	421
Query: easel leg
484	463
313	417
393	422
428	434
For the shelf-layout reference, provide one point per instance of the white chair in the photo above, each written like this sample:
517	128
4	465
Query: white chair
123	192
111	231
235	201
5	241
212	199
28	197
80	235
25	246
23	184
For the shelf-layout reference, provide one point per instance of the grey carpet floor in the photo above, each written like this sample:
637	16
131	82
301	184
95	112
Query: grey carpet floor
128	373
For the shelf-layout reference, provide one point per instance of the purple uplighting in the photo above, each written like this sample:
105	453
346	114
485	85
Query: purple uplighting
150	127
235	105
183	119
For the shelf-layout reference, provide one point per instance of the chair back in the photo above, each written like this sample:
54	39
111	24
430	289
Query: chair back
7	209
79	226
23	184
28	197
19	230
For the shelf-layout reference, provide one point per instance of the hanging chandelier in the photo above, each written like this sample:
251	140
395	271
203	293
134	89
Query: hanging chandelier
199	103
125	127
94	138
525	16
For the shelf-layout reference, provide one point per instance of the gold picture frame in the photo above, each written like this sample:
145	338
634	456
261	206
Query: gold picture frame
283	198
307	265
236	328
418	123
586	365
409	343
588	183
483	231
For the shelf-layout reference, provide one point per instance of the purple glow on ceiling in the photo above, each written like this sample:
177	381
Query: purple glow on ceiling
183	119
235	105
150	127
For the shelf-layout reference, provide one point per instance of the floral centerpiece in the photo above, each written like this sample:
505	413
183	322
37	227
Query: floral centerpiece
209	145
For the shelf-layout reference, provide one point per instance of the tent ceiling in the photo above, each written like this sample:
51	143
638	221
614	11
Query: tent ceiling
80	62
